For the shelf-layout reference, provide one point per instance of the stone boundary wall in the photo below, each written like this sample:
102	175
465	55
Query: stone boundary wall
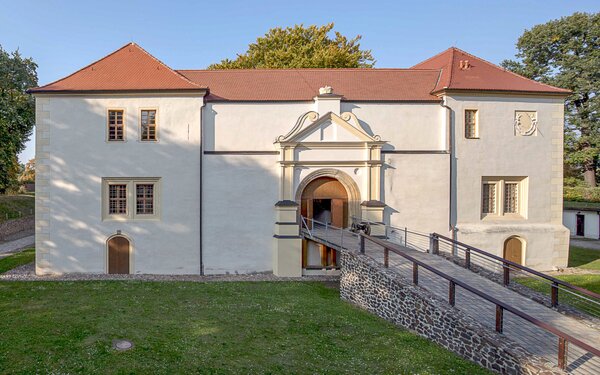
10	227
370	286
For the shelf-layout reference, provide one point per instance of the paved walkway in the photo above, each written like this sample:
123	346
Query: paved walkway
586	243
536	340
11	247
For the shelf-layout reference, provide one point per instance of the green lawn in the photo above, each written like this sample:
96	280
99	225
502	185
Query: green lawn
15	206
580	258
584	258
208	328
18	259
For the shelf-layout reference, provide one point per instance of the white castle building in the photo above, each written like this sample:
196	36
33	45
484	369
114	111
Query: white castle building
146	169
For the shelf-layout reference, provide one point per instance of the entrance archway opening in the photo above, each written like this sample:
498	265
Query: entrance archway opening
119	250
324	201
514	249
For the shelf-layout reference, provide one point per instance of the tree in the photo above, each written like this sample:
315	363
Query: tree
17	112
566	53
27	175
301	47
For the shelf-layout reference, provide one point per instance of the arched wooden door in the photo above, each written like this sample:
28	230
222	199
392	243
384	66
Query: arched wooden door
325	199
118	255
513	250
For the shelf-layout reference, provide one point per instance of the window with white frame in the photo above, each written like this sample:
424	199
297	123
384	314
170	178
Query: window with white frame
130	198
503	197
471	124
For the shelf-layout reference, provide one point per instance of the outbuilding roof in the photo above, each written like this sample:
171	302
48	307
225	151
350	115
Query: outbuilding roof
131	68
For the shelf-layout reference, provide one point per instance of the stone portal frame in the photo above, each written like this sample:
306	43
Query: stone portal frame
348	182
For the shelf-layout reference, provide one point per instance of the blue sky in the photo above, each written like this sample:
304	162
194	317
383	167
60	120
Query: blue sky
63	36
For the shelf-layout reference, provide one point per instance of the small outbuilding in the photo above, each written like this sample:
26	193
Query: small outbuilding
582	219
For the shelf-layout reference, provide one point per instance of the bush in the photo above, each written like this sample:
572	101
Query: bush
582	194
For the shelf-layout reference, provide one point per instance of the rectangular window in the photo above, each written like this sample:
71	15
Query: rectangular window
511	197
117	199
116	126
148	119
471	126
131	198
144	199
489	198
504	197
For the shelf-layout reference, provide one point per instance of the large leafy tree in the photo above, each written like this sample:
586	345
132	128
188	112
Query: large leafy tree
566	53
301	47
17	112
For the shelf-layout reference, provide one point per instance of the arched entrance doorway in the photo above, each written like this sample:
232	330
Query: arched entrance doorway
118	254
513	250
325	200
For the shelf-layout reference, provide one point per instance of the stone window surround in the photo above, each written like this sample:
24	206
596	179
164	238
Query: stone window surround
500	183
475	125
131	183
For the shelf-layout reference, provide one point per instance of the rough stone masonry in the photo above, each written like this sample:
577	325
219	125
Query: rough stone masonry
381	291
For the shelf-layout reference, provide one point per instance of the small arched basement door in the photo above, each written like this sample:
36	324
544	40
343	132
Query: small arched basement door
118	255
325	199
513	250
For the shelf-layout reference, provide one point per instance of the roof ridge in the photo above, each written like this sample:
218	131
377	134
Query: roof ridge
308	69
433	57
506	70
165	65
451	66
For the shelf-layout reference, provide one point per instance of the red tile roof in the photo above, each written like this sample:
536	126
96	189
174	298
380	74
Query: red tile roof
130	68
462	71
304	84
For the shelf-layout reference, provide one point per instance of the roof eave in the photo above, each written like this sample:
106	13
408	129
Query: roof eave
446	91
203	91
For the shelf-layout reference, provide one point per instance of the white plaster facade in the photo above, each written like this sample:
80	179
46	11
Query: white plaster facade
229	173
591	222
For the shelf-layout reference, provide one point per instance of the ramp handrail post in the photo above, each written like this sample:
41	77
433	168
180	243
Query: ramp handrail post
452	293
554	294
386	257
405	236
499	319
506	274
468	258
362	244
415	273
562	353
434	244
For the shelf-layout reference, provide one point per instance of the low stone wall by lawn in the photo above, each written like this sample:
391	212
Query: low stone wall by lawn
368	285
10	227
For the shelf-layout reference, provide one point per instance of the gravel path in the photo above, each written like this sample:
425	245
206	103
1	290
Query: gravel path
27	273
11	247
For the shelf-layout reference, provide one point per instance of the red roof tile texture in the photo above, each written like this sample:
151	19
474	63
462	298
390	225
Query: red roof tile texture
304	84
462	71
131	68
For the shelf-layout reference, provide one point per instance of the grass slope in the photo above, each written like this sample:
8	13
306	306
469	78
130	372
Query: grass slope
207	328
16	260
584	258
15	206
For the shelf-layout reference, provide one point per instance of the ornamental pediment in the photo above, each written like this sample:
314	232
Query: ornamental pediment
329	128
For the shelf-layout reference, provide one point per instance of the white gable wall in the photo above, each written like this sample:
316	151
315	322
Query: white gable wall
71	235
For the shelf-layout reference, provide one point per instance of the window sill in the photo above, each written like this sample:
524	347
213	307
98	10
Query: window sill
505	217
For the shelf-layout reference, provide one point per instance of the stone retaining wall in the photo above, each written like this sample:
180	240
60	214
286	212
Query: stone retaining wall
365	283
10	227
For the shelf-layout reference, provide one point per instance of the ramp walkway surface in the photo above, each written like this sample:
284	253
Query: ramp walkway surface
533	338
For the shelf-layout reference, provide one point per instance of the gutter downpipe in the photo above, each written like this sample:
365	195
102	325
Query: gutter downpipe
201	173
451	192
